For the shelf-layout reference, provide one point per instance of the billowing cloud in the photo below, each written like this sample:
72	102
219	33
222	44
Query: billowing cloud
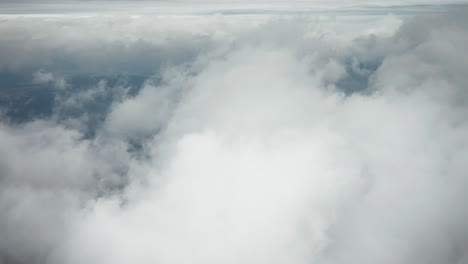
236	139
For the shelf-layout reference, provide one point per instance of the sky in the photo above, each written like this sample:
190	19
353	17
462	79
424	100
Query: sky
325	132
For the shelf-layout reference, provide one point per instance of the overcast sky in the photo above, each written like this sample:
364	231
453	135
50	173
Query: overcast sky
311	2
207	6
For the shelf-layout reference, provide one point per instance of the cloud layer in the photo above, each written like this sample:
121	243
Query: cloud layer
218	139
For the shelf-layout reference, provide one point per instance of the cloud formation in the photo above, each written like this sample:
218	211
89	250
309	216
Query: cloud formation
271	139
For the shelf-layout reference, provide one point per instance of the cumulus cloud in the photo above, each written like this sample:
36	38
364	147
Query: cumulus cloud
46	171
262	140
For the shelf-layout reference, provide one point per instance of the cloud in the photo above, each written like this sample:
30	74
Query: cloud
261	140
124	120
42	77
48	171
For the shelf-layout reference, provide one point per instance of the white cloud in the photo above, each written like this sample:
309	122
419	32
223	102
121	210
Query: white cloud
254	152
